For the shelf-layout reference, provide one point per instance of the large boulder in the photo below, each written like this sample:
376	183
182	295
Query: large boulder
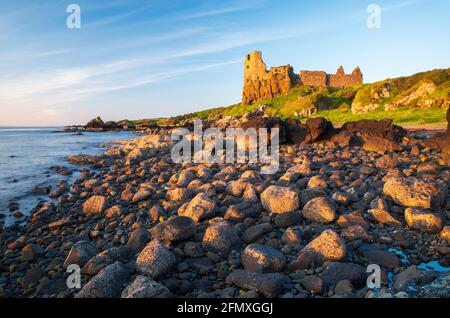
177	228
320	210
379	144
270	285
95	205
201	207
328	246
105	258
296	132
219	237
277	199
262	259
412	192
155	260
319	128
145	287
423	220
268	123
80	254
108	283
96	123
380	128
336	272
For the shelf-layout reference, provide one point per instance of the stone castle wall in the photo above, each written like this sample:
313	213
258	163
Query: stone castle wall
313	78
260	84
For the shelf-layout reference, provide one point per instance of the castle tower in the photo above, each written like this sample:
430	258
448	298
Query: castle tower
260	83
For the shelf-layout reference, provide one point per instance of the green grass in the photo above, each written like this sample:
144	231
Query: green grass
399	116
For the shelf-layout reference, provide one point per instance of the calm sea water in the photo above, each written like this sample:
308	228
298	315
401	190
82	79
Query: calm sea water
27	154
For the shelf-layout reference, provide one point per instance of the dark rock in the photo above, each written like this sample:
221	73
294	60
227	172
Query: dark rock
285	220
270	285
32	252
145	287
80	254
259	258
105	258
336	272
382	258
177	228
155	260
138	238
108	283
255	232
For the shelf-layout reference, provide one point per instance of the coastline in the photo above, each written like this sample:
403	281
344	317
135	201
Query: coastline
127	215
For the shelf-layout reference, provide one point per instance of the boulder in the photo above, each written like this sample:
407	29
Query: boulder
336	272
320	210
108	283
313	284
32	252
379	144
296	132
141	195
277	199
155	260
318	128
268	123
423	220
177	228
145	287
80	254
270	285
309	194
114	211
255	232
262	259
384	217
201	207
138	238
105	258
96	123
94	205
412	192
219	237
328	246
379	128
285	220
382	258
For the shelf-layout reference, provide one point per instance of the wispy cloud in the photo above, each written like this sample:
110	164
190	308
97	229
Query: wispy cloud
400	5
232	7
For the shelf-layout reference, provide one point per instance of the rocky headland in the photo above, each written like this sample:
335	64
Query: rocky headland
139	225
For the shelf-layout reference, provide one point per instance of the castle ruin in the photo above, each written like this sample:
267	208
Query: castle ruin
260	84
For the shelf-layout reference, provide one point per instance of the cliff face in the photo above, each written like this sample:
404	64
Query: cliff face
260	84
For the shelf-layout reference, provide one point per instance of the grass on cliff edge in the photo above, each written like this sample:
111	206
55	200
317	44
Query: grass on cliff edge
402	117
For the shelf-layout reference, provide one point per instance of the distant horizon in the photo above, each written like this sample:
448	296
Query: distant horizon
150	59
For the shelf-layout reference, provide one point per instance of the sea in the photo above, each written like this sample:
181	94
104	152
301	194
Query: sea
28	157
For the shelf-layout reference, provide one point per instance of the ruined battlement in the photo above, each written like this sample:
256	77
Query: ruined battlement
261	84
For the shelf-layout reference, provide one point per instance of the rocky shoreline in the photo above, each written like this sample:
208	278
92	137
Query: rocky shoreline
140	225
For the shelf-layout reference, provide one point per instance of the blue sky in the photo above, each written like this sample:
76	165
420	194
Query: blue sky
140	59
